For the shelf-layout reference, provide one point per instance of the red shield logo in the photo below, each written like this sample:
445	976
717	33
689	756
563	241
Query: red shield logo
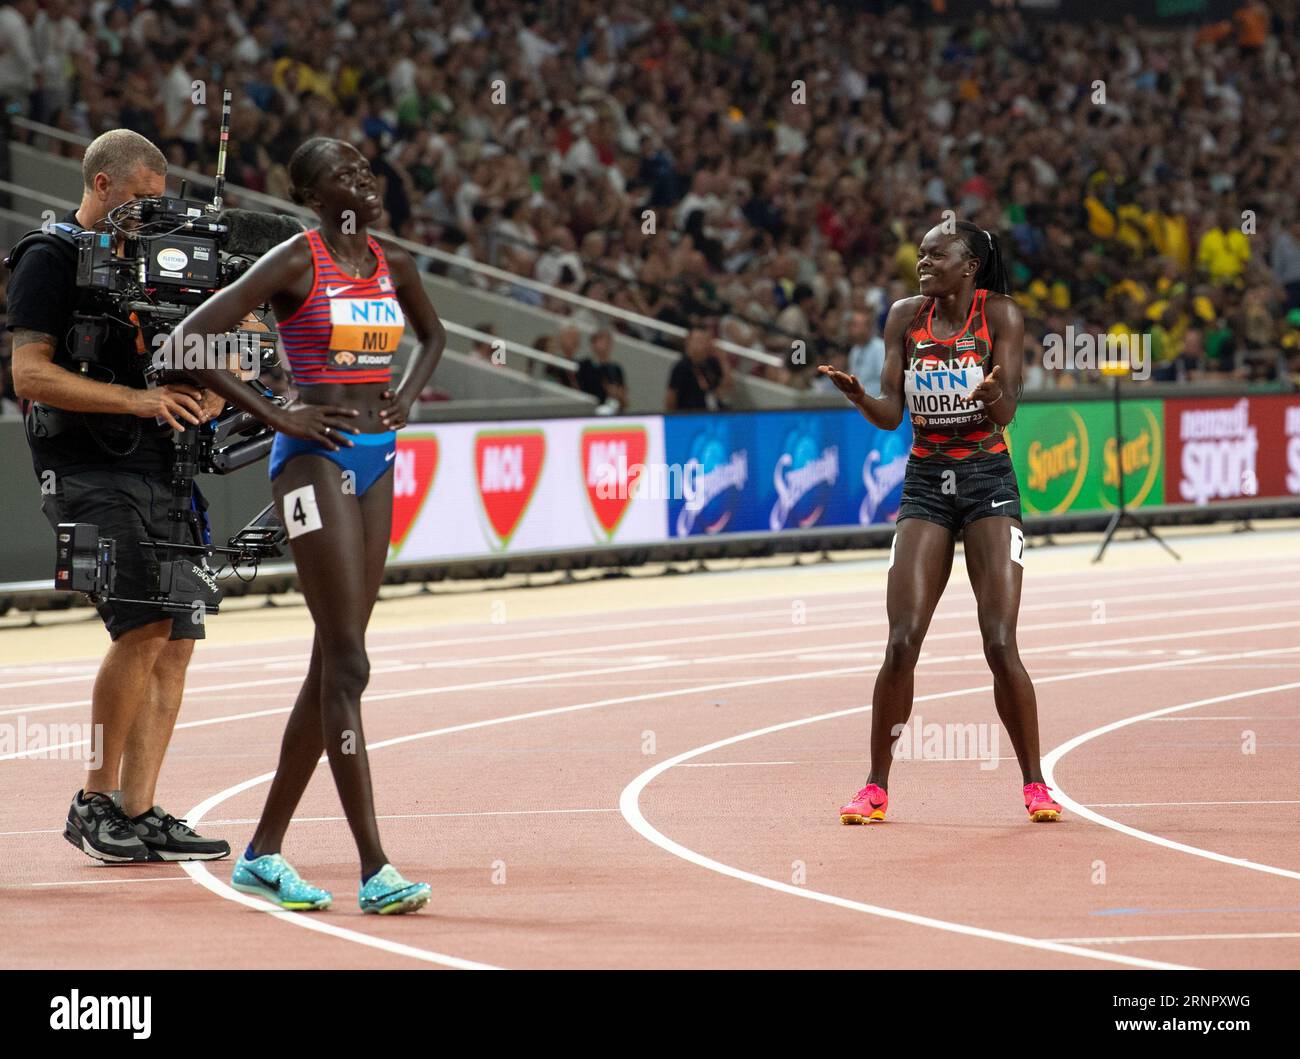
414	468
508	465
613	460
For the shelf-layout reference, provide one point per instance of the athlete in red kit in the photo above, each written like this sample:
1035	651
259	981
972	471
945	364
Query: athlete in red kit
953	357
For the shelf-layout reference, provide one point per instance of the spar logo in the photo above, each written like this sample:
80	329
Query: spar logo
1141	451
1057	466
414	467
1219	446
803	477
716	477
613	465
508	464
1293	450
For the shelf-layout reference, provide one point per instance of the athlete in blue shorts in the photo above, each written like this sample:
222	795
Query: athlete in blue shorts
342	301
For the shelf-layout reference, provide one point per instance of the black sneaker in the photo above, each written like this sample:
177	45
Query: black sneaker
168	838
98	828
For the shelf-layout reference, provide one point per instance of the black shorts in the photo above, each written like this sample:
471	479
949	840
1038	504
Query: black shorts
954	493
129	508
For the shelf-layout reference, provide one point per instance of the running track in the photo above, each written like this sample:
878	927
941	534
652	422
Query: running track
656	787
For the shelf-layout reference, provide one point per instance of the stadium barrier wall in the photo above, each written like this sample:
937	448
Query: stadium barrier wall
482	498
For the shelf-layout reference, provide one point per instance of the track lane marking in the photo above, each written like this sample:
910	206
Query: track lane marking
382	648
554	679
1087	580
1128	938
629	804
1051	760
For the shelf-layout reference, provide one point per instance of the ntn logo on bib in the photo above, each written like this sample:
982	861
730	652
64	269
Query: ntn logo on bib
942	394
366	325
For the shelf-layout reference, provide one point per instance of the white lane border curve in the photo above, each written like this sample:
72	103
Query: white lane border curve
1054	758
629	805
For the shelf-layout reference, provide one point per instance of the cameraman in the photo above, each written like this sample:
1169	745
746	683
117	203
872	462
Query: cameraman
104	456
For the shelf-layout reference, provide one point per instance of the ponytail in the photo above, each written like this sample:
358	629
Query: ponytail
987	250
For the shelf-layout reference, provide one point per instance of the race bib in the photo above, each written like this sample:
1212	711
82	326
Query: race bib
364	332
940	395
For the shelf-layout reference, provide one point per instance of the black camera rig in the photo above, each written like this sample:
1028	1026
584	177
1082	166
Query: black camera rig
155	261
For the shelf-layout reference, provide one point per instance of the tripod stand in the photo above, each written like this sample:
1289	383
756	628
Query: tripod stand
1122	515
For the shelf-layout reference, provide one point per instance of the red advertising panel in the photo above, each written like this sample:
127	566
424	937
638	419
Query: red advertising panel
1232	448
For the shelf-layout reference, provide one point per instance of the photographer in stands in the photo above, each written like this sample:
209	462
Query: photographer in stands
103	451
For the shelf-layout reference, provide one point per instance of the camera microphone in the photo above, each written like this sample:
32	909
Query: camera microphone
253	233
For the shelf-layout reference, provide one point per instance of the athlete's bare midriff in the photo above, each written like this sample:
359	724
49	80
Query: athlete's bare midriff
366	397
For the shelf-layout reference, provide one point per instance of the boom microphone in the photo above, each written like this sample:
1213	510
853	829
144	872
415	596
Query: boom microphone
253	233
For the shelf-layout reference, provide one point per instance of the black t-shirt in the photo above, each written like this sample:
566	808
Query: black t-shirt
594	376
42	296
685	382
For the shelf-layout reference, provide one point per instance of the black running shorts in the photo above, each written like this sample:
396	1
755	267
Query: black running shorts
130	508
954	493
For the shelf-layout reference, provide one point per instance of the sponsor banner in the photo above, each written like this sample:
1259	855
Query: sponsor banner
1232	448
1066	460
464	489
719	456
875	464
767	472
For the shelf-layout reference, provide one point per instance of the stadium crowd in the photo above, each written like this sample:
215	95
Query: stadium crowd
763	172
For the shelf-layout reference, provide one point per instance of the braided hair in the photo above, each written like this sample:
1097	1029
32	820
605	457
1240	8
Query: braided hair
984	247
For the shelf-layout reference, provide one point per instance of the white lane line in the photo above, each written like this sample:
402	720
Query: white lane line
629	803
336	819
1125	939
918	761
101	882
1143	805
1053	759
456	641
200	873
1086	581
554	678
422	816
764	655
301	919
818	627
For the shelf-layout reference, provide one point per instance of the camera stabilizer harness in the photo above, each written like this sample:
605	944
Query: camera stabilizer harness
158	259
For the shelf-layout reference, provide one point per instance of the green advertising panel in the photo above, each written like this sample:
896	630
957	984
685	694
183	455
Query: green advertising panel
1065	460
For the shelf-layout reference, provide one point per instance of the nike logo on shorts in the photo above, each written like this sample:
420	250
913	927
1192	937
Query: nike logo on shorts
330	292
390	455
999	503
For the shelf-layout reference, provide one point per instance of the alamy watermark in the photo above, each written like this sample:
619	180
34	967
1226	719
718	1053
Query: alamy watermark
918	741
1081	351
239	351
59	742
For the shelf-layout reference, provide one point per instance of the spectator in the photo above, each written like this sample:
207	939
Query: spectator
566	344
672	112
866	357
1285	261
700	379
19	62
1224	250
601	377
